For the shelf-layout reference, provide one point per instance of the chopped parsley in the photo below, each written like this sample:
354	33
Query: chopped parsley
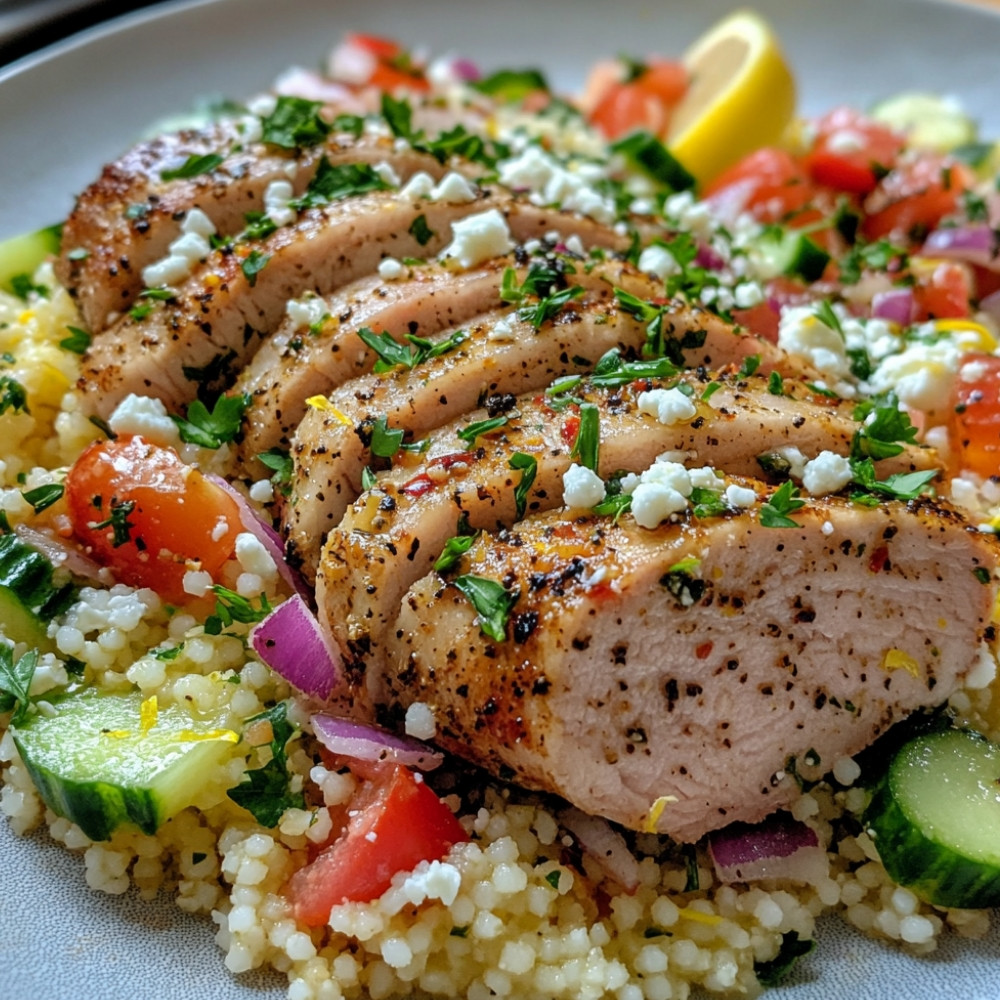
231	607
253	264
511	85
121	527
478	428
528	465
77	341
212	429
332	183
454	549
420	231
792	949
42	497
885	429
13	395
279	461
659	342
22	286
492	602
547	284
294	123
588	437
15	682
775	384
385	441
750	364
784	501
391	353
899	486
193	166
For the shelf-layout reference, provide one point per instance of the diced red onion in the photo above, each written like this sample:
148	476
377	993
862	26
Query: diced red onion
62	554
895	305
266	535
606	846
708	258
293	644
465	70
973	244
780	847
364	742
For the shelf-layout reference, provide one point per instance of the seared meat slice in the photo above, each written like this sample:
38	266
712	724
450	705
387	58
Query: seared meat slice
126	220
330	448
197	341
393	533
668	679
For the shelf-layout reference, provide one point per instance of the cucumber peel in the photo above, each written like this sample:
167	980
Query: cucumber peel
29	597
102	760
935	818
22	254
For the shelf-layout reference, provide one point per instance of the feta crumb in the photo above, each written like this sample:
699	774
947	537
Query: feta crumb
420	185
262	491
922	375
801	332
795	459
277	203
420	722
582	487
306	312
827	473
386	174
655	502
197	582
253	556
706	478
502	330
669	406
262	105
390	269
739	497
659	261
747	294
453	187
827	528
146	416
477	238
183	253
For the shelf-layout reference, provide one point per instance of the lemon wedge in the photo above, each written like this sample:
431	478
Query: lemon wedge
742	96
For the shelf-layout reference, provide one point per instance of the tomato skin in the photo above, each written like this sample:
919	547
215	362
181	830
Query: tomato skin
395	822
851	151
974	422
945	294
770	183
391	65
178	514
643	103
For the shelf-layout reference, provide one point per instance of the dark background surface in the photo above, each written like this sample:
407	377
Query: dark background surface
27	25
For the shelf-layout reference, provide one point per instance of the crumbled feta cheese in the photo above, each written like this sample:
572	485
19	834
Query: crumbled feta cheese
801	332
795	459
196	222
984	672
706	478
922	375
277	203
420	722
197	583
146	416
658	260
262	491
582	487
739	497
574	245
390	269
669	406
438	880
253	556
502	330
306	312
386	174
655	502
420	185
828	472
262	105
184	252
747	294
477	238
670	474
453	187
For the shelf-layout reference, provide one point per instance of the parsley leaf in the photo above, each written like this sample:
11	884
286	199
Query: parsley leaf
784	500
588	437
899	486
707	503
491	601
775	384
215	428
15	682
470	433
13	395
231	607
792	949
121	527
253	264
391	353
454	549
44	496
265	791
279	461
398	116
420	231
193	166
385	441
885	429
294	123
77	341
528	465
332	183
22	286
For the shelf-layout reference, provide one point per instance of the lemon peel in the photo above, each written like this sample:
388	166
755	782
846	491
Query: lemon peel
741	97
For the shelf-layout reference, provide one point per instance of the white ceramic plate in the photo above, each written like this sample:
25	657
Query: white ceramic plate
65	112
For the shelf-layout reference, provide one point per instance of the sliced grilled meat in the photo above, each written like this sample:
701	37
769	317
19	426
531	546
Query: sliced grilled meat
197	341
668	679
393	534
126	220
330	448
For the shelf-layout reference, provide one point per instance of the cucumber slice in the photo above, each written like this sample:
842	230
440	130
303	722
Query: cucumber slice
929	121
29	598
935	818
102	760
22	254
792	253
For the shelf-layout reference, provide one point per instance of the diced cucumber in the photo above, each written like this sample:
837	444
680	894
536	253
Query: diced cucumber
29	598
791	253
102	760
22	254
929	121
935	818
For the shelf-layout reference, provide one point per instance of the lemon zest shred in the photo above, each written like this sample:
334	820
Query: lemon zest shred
896	659
696	916
116	734
985	341
226	735
149	713
656	811
324	405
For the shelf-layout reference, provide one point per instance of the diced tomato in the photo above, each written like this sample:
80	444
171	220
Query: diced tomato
769	184
761	319
167	513
913	198
381	48
974	424
851	152
945	295
645	102
396	822
392	69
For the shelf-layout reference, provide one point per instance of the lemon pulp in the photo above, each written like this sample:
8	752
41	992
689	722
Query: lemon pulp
741	97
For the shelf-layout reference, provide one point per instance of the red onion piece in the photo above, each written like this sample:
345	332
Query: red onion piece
974	244
708	258
293	644
606	846
311	86
465	70
266	535
364	742
895	305
62	554
779	847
